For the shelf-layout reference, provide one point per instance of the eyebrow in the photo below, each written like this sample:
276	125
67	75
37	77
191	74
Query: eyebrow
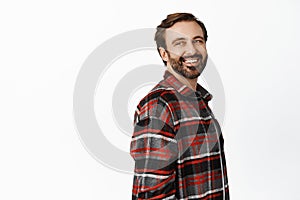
182	38
197	37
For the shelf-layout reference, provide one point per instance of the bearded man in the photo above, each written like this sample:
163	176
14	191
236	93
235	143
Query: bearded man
177	143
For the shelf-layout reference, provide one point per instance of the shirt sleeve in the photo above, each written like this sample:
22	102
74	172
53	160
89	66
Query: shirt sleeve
154	150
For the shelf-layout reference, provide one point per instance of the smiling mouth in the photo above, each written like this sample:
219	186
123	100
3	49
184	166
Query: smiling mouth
191	62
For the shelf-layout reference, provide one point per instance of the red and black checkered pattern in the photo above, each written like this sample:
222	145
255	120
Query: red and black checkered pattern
177	145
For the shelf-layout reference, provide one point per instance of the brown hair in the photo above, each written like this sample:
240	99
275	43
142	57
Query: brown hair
169	22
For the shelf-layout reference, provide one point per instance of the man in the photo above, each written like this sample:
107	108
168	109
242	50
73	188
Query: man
177	143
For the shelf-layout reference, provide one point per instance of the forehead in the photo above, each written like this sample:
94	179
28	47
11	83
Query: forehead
183	29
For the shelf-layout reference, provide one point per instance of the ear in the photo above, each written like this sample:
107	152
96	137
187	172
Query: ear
163	54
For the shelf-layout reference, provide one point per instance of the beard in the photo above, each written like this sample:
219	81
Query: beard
190	72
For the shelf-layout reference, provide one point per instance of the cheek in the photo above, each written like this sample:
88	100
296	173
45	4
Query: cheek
175	55
202	50
175	52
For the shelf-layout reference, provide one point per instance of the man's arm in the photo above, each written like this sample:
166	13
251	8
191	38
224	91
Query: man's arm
154	150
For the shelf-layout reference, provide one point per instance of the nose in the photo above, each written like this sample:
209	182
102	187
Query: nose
190	49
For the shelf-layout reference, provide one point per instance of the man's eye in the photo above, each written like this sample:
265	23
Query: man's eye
198	41
179	43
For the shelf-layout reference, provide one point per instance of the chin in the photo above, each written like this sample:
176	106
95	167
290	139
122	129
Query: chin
191	75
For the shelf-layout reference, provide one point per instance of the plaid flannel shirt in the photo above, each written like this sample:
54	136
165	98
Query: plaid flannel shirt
177	145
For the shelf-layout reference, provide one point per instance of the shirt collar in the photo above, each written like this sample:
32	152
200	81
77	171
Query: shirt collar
185	90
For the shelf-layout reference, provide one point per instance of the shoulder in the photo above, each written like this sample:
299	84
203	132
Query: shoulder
157	103
161	94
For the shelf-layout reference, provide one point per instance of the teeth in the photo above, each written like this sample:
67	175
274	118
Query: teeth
191	61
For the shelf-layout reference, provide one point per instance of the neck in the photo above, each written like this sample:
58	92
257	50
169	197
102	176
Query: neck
191	83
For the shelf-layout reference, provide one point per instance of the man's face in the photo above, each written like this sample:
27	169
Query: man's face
186	49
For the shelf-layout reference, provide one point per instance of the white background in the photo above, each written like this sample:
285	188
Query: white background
254	44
